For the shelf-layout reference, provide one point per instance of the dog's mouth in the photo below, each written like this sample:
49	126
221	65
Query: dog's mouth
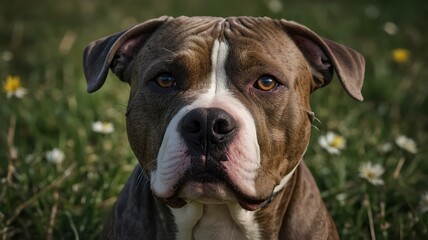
247	204
212	189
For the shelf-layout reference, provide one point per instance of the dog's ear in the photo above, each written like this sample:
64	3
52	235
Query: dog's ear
115	52
325	56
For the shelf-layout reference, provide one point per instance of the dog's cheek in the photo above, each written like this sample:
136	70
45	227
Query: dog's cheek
296	123
287	139
141	138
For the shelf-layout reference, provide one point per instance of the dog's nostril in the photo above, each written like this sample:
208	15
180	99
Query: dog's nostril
192	126
222	126
194	122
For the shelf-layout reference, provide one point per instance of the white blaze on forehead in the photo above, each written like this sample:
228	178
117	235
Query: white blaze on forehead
218	74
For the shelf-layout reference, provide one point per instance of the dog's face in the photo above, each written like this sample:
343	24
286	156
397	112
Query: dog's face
219	108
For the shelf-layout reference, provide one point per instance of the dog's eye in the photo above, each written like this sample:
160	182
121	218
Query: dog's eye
165	80
266	83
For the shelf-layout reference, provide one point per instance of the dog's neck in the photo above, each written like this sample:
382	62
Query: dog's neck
230	221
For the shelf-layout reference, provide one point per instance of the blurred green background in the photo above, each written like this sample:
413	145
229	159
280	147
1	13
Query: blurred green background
42	43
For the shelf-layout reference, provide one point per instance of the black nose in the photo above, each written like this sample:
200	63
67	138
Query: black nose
208	126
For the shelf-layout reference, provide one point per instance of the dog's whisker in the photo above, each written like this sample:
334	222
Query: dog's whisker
139	179
143	174
174	55
319	121
148	164
166	49
146	186
312	116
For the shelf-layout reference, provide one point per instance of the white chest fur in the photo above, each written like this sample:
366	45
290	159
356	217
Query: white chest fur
224	221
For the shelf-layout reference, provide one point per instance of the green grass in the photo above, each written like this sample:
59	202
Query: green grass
39	199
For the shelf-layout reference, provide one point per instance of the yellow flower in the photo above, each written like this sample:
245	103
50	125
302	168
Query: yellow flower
12	87
400	55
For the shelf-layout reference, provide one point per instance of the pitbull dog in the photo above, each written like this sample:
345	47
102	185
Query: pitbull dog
219	119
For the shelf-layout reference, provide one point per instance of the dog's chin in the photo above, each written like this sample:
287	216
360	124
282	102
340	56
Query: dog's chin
212	193
206	192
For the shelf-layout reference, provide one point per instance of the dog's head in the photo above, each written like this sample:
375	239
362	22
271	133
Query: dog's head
219	108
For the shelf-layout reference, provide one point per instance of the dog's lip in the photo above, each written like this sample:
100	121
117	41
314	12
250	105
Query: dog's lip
205	178
253	205
249	205
175	202
178	199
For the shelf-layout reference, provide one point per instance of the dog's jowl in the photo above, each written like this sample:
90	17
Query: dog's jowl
219	119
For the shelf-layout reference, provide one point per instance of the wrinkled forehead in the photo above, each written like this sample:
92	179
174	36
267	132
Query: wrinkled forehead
252	43
185	34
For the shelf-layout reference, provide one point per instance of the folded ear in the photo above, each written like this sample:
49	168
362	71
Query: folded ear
325	56
115	52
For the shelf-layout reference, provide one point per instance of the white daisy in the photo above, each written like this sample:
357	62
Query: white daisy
275	5
332	143
386	147
103	127
406	143
371	173
55	156
390	28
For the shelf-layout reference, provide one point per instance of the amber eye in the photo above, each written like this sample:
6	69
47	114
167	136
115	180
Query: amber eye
266	83
165	80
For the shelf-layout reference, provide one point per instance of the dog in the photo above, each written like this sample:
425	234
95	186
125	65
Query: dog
219	119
